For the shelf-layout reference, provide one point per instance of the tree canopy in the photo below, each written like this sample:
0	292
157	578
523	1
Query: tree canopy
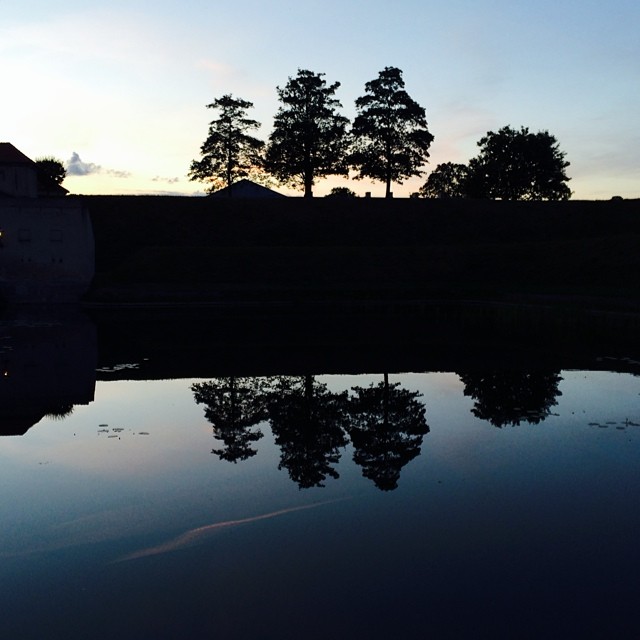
447	180
230	152
341	192
234	406
390	134
511	397
50	171
309	137
518	165
386	429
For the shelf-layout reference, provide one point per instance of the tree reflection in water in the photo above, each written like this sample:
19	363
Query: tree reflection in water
233	406
311	424
511	397
308	423
386	429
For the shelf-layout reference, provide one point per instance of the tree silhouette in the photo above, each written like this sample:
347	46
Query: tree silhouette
308	424
233	406
59	412
390	134
447	180
386	428
511	397
308	140
229	153
341	192
518	165
50	172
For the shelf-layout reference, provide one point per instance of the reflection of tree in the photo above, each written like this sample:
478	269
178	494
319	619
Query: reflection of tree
387	425
307	422
511	397
59	412
233	406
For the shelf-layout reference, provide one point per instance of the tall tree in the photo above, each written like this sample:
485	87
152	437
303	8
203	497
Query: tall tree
230	152
519	165
308	423
387	426
390	135
234	406
309	138
447	180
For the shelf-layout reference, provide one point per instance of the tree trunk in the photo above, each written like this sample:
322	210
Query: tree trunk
308	187
386	400
308	396
229	165
388	191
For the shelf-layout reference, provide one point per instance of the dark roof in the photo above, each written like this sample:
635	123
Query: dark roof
246	189
10	155
51	189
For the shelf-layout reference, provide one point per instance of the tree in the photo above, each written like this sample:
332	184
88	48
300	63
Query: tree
387	426
447	180
511	397
50	171
390	134
341	192
308	423
519	165
229	153
233	406
309	137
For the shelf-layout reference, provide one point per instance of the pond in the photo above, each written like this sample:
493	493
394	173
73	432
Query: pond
302	483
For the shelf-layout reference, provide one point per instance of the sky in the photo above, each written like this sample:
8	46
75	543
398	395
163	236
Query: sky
118	91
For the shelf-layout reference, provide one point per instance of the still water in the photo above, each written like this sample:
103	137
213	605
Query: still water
475	502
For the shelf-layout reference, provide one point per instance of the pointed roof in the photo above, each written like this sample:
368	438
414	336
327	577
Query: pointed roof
246	189
10	155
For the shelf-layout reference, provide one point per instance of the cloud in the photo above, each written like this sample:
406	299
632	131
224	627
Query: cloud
77	167
166	180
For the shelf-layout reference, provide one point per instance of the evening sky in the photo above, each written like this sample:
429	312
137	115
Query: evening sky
118	90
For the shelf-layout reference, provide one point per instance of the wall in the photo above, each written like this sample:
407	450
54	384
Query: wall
46	249
18	180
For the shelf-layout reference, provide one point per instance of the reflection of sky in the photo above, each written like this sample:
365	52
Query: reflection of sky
476	497
79	479
162	456
80	482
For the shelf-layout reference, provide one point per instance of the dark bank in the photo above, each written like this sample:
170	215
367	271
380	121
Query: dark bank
203	250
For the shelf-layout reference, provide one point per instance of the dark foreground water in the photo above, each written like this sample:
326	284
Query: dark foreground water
478	502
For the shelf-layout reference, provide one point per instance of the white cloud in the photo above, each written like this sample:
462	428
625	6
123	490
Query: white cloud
77	167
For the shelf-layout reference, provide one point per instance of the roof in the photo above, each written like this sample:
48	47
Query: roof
10	155
246	189
51	189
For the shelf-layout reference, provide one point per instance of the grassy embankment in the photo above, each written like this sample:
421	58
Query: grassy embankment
201	249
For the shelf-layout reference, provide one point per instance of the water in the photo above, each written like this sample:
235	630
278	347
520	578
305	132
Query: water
461	503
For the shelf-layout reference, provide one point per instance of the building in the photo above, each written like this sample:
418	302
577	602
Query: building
246	189
46	243
18	176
